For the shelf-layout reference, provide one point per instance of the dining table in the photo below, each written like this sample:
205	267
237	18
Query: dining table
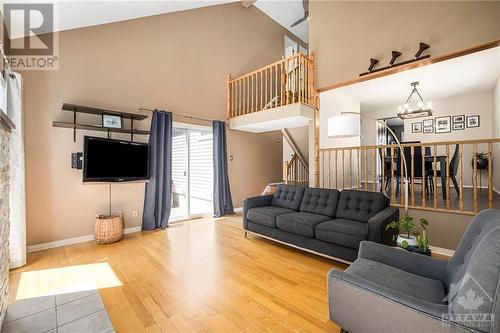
429	159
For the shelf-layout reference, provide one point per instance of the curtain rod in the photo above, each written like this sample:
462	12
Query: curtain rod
178	114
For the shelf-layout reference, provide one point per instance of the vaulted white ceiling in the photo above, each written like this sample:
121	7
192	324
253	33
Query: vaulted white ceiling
72	14
286	12
77	14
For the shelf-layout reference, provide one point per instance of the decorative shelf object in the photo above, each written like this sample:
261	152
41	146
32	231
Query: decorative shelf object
63	124
76	109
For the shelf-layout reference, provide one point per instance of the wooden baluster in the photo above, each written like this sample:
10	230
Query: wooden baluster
323	167
412	153
424	177
283	83
294	79
329	168
247	94
256	92
236	97
343	169
261	90
243	95
350	169
490	175
252	93
295	169
403	177
382	167
461	178
301	79
393	194
358	152
336	168
241	98
276	83
474	176
265	87
286	172
229	100
435	178
447	176
374	170
305	78
366	169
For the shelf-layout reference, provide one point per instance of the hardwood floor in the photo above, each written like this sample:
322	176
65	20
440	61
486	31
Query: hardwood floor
197	276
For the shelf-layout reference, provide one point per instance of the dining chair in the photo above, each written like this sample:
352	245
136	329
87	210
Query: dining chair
454	163
417	166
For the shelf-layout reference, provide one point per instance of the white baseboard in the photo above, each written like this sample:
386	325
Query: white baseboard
442	251
238	209
74	240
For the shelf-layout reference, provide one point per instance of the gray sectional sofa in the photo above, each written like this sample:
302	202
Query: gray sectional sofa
323	221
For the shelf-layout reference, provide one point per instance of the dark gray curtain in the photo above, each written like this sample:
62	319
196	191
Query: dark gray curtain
222	194
158	195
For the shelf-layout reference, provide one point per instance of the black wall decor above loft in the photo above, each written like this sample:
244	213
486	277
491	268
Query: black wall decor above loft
396	54
76	109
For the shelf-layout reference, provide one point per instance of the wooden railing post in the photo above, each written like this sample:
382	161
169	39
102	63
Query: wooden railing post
229	91
286	172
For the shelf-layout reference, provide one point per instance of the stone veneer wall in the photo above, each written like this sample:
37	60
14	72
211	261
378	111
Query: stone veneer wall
4	220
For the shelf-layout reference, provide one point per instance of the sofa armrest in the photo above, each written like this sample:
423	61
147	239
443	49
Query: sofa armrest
377	226
351	296
253	202
405	260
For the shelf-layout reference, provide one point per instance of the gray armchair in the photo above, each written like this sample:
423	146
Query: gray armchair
391	290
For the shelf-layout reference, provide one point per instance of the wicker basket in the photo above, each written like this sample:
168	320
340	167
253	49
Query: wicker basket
108	228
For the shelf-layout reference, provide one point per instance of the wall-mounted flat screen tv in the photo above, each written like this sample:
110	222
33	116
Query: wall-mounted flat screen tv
107	160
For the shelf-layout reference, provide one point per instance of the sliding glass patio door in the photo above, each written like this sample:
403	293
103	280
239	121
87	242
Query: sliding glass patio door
192	172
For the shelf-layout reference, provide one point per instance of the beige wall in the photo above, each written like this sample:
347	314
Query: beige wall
176	61
345	35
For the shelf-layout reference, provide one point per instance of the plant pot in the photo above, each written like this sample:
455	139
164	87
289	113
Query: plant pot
405	242
425	253
481	163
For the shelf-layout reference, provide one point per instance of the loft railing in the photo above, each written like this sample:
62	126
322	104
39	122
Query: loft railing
442	176
288	81
296	173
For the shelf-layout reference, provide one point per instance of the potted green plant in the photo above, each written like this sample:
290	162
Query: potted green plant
404	240
423	240
481	160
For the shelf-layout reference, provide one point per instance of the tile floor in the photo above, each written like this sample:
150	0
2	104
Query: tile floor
73	312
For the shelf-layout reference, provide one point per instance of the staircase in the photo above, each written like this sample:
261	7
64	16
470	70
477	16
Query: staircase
296	170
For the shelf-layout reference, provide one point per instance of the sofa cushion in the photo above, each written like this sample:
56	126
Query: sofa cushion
360	205
266	215
288	196
342	232
320	201
301	223
420	287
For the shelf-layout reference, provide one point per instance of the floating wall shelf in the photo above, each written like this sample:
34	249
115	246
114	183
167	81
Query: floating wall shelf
76	109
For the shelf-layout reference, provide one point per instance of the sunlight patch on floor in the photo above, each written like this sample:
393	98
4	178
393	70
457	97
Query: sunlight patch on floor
63	280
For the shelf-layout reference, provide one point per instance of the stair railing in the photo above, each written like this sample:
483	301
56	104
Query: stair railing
288	81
